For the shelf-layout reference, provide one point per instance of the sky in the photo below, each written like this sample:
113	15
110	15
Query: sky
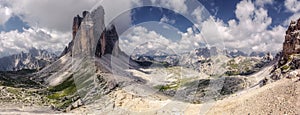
180	25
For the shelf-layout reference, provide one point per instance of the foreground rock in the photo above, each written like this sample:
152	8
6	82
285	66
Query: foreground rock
290	56
291	43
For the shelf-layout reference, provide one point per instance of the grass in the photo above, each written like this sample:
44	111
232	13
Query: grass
167	87
66	88
285	67
67	83
20	72
68	91
16	80
13	91
245	67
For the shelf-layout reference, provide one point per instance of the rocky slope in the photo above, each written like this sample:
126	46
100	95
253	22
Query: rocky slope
33	59
289	58
84	69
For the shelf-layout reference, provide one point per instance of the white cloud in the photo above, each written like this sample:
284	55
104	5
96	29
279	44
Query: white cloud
250	32
5	14
262	3
139	35
198	14
244	10
294	17
56	18
52	14
58	15
165	19
119	12
178	6
14	42
292	5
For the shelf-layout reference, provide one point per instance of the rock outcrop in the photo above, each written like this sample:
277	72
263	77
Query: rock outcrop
289	58
91	36
108	43
291	43
76	24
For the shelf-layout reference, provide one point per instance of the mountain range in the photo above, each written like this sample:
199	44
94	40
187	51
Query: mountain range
33	59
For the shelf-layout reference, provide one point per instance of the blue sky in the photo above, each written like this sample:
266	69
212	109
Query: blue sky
224	9
221	9
247	25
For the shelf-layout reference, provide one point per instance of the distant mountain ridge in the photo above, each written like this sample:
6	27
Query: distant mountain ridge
33	59
172	59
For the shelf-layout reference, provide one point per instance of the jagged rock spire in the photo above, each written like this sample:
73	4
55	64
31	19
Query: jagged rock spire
92	37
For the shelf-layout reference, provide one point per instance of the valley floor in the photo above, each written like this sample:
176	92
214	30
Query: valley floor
280	97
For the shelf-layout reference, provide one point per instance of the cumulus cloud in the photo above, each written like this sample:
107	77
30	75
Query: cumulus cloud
262	3
5	14
198	14
119	13
138	36
52	20
51	14
58	14
165	19
250	31
292	5
14	42
178	6
294	17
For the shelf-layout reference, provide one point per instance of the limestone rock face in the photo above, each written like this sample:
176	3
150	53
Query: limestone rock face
108	43
90	37
76	24
290	55
291	43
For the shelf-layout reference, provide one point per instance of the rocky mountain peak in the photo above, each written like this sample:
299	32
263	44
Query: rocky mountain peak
108	43
89	35
75	27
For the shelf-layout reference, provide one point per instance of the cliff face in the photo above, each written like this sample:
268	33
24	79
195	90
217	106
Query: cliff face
76	24
289	58
89	35
291	44
108	43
